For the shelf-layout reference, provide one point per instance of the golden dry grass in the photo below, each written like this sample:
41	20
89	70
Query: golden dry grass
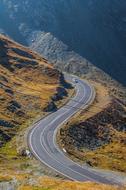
27	83
110	156
55	184
31	87
46	183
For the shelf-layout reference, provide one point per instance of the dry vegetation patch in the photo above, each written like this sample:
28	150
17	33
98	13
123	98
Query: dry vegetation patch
95	136
55	184
27	86
27	83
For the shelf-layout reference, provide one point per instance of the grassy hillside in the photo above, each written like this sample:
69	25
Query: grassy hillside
27	83
55	184
95	136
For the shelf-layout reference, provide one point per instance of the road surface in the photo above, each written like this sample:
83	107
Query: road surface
41	138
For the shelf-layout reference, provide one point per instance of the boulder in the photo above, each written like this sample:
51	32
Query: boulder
50	107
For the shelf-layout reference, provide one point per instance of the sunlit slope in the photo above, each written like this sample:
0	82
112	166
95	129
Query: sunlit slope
26	84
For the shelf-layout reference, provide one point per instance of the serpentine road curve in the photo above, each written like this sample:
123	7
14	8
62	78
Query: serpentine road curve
41	138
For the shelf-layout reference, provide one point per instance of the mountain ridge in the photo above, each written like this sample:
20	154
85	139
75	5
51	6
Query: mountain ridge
65	60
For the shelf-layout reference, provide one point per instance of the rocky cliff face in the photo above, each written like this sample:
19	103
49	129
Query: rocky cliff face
66	60
59	54
95	29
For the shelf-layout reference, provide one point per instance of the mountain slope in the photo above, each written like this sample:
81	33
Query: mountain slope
27	83
62	58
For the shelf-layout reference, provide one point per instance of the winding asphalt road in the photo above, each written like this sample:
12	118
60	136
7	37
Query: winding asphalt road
41	138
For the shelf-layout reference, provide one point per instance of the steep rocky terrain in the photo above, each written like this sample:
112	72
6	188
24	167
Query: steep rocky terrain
62	58
30	87
95	29
27	83
98	139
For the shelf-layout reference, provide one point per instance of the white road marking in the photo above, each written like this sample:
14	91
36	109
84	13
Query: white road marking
43	144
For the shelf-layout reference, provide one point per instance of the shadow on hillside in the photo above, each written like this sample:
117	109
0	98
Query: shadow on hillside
4	60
